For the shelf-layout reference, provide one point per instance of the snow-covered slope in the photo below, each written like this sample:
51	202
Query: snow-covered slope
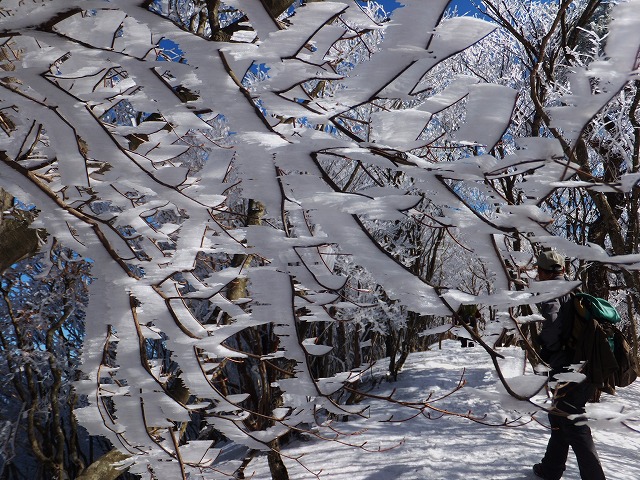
452	447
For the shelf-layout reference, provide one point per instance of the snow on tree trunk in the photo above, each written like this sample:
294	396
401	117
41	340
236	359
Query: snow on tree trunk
116	114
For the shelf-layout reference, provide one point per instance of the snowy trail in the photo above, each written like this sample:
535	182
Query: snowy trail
453	447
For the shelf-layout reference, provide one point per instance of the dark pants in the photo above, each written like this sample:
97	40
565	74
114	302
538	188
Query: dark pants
571	399
465	342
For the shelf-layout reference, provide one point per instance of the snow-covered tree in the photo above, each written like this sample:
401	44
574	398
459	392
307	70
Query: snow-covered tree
213	184
538	51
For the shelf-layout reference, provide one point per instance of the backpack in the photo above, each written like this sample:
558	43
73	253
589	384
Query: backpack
595	320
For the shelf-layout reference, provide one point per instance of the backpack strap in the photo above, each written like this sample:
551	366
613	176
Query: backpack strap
580	306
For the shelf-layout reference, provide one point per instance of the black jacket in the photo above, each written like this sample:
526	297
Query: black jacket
591	347
558	320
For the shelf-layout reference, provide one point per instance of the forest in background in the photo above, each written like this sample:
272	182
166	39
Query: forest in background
216	216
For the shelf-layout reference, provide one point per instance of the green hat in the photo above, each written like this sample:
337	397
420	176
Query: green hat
551	261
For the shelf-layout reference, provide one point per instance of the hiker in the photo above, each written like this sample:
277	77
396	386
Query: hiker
470	315
569	398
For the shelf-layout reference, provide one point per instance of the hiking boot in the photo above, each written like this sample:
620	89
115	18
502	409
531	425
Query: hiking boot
538	471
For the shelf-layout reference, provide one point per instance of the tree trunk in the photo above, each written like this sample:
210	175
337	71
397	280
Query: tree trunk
276	7
17	240
238	287
264	396
276	465
105	468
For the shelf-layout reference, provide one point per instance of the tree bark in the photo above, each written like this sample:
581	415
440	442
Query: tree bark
276	7
17	240
276	465
106	467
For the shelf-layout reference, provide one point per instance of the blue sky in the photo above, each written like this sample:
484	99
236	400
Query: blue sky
464	6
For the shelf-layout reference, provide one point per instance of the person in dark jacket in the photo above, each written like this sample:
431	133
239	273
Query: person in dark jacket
470	315
569	398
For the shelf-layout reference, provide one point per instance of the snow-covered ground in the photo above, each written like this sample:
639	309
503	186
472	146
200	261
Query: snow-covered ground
452	447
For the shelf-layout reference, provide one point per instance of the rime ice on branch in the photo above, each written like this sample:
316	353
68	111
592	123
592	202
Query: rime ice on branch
214	184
